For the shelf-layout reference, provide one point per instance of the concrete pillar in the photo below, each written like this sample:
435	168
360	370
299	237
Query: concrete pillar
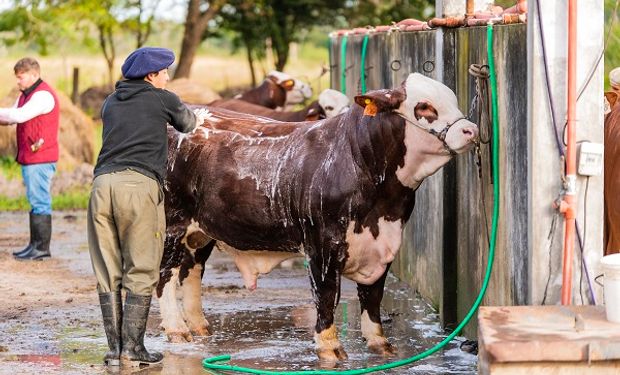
545	167
456	8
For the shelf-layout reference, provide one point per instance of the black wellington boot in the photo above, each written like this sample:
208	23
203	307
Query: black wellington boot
135	314
29	247
41	234
112	312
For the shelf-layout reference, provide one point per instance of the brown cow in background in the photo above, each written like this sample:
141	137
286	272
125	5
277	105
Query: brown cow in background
612	175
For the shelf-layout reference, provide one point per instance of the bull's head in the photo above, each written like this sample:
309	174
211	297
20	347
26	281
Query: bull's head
296	91
429	105
333	102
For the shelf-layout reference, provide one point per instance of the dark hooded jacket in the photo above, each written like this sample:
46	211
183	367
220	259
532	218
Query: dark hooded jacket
134	128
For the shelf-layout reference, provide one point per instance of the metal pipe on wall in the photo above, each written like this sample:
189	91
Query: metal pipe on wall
571	157
469	9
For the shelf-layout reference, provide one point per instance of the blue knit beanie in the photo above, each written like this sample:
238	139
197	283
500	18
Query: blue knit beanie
146	60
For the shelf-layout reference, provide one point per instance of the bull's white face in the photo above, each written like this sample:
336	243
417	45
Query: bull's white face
441	100
300	91
333	102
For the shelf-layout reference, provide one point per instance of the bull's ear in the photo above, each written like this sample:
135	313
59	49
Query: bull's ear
288	84
381	100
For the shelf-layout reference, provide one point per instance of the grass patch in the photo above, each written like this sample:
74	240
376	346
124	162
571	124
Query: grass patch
10	168
75	199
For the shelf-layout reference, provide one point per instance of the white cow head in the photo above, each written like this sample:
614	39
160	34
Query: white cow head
430	107
333	102
298	93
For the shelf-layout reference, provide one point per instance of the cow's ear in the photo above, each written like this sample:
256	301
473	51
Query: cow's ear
612	98
380	101
288	84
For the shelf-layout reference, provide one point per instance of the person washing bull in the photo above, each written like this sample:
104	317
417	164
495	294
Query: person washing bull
36	113
126	219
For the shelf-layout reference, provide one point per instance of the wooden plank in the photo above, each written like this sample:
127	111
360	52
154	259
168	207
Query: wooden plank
526	334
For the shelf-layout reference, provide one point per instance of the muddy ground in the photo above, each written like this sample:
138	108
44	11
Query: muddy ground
50	317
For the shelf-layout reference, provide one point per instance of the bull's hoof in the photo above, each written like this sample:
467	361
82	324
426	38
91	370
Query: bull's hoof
179	337
201	331
383	348
332	356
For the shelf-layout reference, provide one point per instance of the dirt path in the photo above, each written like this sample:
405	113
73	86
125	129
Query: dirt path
50	317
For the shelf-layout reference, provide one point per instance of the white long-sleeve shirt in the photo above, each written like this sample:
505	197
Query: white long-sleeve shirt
42	102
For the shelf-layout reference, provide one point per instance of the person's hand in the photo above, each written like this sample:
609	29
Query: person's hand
201	115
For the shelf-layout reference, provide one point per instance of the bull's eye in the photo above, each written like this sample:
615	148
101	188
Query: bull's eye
329	108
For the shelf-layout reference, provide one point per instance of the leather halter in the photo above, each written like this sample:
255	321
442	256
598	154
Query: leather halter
441	135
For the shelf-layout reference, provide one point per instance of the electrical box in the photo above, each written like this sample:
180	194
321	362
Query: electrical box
590	159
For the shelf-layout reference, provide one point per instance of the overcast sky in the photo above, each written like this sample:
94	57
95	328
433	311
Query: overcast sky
168	9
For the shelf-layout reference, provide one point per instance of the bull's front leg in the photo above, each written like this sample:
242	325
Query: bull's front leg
325	276
190	278
370	297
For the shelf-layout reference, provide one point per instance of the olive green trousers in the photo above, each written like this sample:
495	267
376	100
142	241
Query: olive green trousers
126	229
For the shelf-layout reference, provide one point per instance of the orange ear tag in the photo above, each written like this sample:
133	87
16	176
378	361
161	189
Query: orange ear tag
370	109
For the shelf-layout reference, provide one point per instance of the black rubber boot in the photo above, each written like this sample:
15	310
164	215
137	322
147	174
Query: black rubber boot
135	314
29	247
112	312
41	233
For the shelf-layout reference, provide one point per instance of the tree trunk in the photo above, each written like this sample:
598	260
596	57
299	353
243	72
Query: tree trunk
195	25
248	49
281	57
106	42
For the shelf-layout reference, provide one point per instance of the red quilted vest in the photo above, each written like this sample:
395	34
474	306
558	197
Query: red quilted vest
41	127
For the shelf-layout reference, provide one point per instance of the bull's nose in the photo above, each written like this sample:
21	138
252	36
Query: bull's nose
470	132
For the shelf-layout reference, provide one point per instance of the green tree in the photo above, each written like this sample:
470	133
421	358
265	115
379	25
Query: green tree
140	22
612	49
199	14
245	20
33	22
360	13
46	23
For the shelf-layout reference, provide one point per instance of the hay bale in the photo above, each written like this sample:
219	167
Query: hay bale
191	92
92	99
76	135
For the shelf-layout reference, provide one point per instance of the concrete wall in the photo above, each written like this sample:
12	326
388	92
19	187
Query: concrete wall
508	285
445	244
544	161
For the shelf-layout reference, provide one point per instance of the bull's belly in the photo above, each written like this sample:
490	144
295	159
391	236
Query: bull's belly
252	263
368	256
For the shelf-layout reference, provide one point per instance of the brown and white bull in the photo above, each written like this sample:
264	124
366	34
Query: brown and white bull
329	104
612	175
277	91
337	191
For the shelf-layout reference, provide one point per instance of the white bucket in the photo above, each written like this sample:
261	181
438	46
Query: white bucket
611	286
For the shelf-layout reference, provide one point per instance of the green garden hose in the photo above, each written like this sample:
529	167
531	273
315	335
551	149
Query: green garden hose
363	65
210	363
343	65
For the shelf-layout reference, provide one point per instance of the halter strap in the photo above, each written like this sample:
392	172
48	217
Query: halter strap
441	135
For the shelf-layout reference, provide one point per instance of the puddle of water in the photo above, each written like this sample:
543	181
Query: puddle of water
271	328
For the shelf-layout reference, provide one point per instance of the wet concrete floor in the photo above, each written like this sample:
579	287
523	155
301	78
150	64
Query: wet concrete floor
50	319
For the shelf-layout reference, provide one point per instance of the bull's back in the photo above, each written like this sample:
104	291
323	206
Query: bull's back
231	185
